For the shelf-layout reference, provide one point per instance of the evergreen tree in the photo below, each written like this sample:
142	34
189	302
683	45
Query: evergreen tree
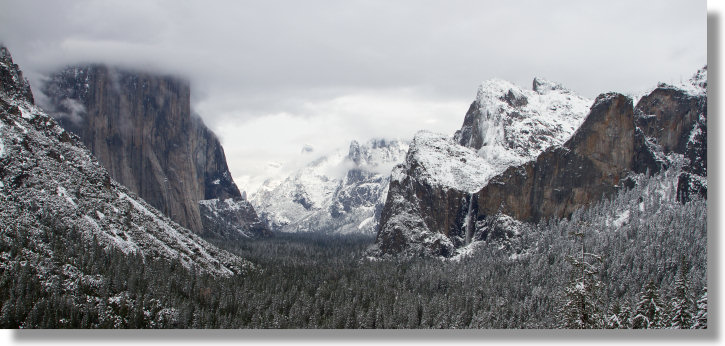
582	302
620	317
701	317
649	311
681	304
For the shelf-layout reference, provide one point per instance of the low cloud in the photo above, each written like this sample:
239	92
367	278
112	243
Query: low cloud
285	73
71	110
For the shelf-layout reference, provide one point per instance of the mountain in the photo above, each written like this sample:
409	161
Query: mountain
513	162
141	127
342	192
53	191
426	208
509	125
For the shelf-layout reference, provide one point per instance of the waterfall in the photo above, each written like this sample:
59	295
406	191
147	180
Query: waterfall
468	222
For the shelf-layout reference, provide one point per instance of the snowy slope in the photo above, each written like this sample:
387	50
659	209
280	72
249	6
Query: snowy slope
340	193
49	182
439	161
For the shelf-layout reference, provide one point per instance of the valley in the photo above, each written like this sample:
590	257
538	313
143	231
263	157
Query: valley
545	210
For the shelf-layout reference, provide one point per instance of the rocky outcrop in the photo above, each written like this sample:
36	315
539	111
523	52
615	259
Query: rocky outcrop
232	218
14	85
141	128
53	191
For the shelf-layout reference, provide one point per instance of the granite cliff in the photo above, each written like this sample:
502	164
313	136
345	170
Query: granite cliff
141	127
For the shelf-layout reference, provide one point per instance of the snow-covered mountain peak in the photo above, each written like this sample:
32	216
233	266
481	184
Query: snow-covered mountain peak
494	88
509	125
339	192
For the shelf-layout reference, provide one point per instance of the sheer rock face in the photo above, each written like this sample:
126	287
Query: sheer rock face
668	115
428	198
675	118
141	128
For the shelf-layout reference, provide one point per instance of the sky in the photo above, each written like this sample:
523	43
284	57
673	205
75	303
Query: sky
272	77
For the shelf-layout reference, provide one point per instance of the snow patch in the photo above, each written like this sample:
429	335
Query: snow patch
366	222
26	114
467	250
62	192
621	219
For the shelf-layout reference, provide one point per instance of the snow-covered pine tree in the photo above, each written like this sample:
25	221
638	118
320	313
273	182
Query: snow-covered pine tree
701	317
619	317
581	308
681	305
649	311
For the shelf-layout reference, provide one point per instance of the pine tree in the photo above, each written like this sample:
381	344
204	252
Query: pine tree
701	317
581	307
619	318
681	304
649	312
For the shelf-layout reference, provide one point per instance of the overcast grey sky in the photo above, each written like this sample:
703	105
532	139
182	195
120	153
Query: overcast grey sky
271	76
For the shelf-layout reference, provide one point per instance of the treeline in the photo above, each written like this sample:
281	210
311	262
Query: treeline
636	241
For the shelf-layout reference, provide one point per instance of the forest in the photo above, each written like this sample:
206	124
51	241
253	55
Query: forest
638	260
